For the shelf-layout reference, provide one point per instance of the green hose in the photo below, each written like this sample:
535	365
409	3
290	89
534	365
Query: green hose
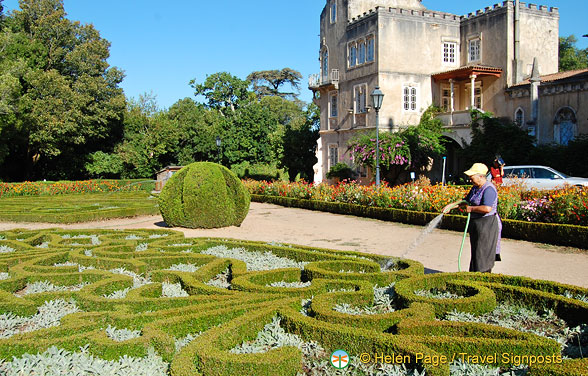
462	242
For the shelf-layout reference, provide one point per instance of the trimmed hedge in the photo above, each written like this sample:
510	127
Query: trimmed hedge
74	208
229	317
204	195
551	233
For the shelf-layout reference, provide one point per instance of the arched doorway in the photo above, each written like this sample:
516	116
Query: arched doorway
564	126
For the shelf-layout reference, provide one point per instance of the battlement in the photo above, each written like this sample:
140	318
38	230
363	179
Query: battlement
431	14
428	14
510	4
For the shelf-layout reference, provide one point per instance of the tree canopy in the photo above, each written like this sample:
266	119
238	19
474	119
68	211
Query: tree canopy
269	82
59	99
571	57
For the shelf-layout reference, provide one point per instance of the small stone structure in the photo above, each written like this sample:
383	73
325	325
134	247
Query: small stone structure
163	175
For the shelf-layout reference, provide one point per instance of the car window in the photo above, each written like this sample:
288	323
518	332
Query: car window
542	173
517	172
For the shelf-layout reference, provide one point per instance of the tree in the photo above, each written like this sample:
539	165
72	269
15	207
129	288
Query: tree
223	91
412	148
60	99
268	82
491	136
570	57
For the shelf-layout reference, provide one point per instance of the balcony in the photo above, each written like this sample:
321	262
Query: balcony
318	81
455	118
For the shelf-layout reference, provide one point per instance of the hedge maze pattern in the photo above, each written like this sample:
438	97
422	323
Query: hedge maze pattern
71	208
156	295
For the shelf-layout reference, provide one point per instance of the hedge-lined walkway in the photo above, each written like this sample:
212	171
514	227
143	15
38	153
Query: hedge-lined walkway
438	251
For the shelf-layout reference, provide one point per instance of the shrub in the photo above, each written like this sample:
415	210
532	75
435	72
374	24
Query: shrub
259	171
204	195
341	171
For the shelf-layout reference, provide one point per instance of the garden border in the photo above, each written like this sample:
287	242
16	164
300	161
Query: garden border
550	233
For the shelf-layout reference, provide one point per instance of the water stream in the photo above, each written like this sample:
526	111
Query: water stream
426	231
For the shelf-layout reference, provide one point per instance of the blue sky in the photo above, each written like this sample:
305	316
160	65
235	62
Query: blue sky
161	45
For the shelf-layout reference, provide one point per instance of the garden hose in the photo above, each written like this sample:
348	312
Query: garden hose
462	242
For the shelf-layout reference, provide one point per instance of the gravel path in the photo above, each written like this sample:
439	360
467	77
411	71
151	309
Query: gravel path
438	251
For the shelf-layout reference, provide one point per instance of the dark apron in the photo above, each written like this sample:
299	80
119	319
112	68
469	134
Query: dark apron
483	241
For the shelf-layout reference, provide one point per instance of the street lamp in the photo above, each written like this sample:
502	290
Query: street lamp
377	98
218	145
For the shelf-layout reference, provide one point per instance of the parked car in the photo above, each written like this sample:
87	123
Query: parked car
540	177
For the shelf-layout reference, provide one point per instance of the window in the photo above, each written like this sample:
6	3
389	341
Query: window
334	12
478	97
523	173
370	48
409	98
542	173
446	99
477	94
352	54
360	52
519	117
325	64
333	105
449	52
333	155
474	49
359	94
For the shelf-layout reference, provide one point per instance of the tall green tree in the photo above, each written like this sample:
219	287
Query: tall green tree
60	99
269	82
223	92
571	57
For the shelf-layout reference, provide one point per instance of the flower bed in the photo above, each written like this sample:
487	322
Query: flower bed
279	318
42	188
563	206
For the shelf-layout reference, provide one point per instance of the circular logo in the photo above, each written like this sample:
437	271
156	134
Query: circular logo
339	359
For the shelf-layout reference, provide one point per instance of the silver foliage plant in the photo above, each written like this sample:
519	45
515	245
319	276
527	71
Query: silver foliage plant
314	355
190	268
46	286
437	294
383	303
141	247
221	280
6	249
120	335
48	315
173	290
256	261
4	275
296	285
184	341
574	341
54	362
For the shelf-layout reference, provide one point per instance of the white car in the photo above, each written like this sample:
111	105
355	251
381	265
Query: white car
539	177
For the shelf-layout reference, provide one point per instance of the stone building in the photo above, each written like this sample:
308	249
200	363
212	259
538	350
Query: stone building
419	57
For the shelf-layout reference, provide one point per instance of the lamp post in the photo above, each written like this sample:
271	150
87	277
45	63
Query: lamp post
377	98
218	145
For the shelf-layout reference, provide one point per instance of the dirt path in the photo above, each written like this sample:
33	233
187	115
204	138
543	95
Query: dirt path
438	251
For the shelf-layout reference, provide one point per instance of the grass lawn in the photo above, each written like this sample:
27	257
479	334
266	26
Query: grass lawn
71	208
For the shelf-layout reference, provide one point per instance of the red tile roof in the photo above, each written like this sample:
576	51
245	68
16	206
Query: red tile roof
578	73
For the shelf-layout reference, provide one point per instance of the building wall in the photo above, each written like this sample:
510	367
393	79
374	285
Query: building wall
408	50
552	97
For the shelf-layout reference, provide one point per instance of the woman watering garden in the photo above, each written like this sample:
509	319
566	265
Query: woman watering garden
485	226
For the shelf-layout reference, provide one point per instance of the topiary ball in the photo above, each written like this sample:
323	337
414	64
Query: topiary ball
204	195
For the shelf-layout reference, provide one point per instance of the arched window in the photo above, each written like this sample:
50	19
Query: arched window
564	126
519	117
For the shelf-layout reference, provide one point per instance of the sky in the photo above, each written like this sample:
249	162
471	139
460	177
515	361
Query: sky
162	45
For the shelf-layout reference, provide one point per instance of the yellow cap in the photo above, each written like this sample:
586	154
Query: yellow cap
477	168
